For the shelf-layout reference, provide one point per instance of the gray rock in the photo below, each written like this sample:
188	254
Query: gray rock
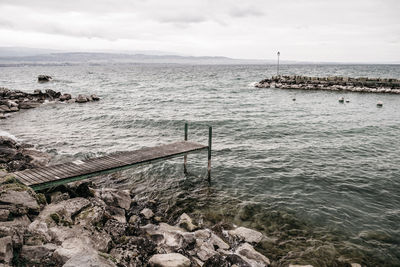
2	117
73	100
116	213
65	97
246	234
95	97
169	260
58	196
147	213
4	108
115	197
252	256
72	247
14	109
299	265
90	216
4	213
133	219
28	104
186	222
6	249
82	99
37	254
61	212
44	78
36	158
21	221
20	198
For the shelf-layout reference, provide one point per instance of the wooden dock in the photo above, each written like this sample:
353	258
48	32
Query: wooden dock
54	175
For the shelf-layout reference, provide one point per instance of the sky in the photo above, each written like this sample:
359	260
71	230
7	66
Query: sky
302	30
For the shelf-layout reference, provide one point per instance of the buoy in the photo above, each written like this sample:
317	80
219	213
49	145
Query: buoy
347	101
294	99
341	100
379	104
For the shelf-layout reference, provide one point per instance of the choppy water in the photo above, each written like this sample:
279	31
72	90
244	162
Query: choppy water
324	177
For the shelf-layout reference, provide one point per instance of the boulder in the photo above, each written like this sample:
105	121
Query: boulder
234	259
44	78
114	197
216	260
36	158
252	256
6	249
169	260
60	213
4	213
147	213
4	108
82	99
95	97
20	198
186	222
246	234
52	93
2	117
37	254
65	97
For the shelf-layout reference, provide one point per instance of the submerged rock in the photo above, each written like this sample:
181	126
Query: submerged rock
169	260
246	234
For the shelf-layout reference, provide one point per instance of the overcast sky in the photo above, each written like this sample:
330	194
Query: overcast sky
311	30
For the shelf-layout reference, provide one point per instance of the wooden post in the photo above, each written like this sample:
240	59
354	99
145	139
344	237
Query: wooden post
185	157
209	152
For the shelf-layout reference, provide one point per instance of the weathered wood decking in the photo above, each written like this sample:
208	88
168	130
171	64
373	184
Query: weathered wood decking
45	177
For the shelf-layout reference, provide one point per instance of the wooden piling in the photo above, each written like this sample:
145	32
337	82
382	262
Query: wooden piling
209	152
185	157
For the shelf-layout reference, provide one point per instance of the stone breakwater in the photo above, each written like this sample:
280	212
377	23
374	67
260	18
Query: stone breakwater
15	100
364	85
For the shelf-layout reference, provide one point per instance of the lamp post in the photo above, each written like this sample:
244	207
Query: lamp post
279	53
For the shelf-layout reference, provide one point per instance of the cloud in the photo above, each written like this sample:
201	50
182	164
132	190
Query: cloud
251	29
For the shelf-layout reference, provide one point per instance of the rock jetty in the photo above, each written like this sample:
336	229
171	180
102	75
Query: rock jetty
364	85
15	100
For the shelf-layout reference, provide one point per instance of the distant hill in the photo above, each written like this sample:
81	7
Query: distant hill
11	56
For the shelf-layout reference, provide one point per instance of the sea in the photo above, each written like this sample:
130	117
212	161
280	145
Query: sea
321	179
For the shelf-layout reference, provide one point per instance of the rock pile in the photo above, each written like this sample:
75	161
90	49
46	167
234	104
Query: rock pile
367	85
16	156
15	100
86	226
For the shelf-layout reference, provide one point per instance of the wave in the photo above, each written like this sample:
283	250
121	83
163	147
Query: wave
7	134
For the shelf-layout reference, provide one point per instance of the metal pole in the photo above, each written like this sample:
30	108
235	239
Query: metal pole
209	152
185	157
279	53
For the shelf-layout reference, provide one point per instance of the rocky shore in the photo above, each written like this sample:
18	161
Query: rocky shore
15	100
364	85
81	225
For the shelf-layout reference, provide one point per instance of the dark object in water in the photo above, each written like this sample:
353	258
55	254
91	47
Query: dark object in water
341	100
44	78
379	104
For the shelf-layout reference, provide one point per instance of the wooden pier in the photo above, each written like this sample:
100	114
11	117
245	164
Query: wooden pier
54	175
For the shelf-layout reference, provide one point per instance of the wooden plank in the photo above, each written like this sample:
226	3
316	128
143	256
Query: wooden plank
81	169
